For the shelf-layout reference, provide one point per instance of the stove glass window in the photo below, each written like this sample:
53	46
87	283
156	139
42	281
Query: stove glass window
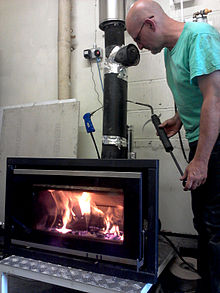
87	213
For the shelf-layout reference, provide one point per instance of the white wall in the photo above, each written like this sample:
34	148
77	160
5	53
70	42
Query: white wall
28	73
86	30
28	51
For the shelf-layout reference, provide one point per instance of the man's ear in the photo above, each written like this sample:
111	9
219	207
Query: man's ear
151	23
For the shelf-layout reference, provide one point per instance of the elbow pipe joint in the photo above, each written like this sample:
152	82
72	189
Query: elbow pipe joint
128	55
120	58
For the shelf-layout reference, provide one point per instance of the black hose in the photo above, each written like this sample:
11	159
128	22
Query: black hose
178	253
97	151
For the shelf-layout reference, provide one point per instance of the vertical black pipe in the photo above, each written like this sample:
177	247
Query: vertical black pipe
115	98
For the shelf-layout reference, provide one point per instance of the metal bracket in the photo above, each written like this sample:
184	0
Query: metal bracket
140	262
115	140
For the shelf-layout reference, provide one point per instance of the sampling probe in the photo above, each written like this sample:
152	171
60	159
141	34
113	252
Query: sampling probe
163	136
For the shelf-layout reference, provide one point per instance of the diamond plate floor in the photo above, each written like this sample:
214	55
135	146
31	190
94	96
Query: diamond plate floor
21	285
66	276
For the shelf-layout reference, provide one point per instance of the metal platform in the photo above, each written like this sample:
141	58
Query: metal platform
67	277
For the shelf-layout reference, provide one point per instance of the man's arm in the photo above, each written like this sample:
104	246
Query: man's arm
196	171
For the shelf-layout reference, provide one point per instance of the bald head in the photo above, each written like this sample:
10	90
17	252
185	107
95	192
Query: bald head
151	28
141	10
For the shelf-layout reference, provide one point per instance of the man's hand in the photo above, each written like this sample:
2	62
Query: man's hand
172	125
195	174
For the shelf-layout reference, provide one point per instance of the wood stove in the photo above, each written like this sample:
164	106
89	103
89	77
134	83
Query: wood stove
98	215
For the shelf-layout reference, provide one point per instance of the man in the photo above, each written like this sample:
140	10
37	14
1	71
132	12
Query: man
192	60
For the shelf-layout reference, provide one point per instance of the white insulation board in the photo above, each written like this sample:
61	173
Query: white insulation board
40	130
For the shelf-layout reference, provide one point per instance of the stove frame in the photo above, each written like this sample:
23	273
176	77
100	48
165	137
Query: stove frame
136	258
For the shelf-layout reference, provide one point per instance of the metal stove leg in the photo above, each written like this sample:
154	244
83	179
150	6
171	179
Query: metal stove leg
4	283
146	288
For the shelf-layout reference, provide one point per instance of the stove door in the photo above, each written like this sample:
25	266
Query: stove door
88	213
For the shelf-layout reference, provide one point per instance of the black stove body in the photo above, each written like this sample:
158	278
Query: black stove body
98	215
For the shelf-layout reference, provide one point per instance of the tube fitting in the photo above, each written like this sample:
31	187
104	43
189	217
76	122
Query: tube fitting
111	10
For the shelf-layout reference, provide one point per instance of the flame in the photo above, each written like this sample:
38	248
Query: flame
63	230
98	211
107	223
72	208
114	230
85	203
66	218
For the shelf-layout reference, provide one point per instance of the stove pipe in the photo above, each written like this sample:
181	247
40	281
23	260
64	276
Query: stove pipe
118	58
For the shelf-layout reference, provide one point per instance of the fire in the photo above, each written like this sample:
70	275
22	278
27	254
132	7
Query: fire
66	215
63	230
111	228
85	214
114	230
85	203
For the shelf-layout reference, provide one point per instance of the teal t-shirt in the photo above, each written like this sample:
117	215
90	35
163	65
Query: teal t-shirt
197	52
